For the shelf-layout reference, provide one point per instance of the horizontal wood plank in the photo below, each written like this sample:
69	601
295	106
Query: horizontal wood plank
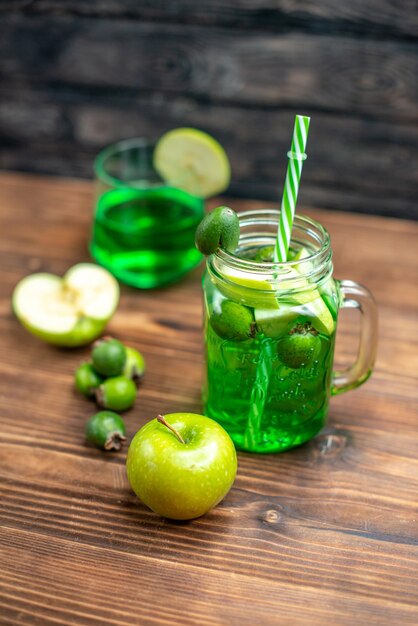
357	165
372	18
241	85
221	599
303	71
98	509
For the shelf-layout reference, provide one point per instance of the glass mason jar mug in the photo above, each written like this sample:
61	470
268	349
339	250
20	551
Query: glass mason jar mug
270	335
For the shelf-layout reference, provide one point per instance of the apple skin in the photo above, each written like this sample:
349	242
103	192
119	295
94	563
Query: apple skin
84	332
178	480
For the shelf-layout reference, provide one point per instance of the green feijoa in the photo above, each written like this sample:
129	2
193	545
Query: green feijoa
106	430
219	228
300	347
117	393
87	379
135	364
233	321
109	356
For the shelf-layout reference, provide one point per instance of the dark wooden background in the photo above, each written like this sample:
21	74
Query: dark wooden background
76	75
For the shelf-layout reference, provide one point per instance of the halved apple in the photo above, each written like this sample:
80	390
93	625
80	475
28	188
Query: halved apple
69	311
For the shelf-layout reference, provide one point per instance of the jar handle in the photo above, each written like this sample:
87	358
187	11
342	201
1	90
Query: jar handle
355	296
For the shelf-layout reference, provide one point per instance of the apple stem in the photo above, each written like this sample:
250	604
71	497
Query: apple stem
162	420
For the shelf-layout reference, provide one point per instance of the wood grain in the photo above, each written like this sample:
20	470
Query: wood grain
353	164
372	18
333	73
75	75
324	535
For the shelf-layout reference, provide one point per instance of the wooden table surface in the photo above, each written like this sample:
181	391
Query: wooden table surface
326	534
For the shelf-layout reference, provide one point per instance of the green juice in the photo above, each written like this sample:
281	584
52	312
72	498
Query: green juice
268	388
145	237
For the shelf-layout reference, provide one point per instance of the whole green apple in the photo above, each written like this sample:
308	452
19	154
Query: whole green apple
181	465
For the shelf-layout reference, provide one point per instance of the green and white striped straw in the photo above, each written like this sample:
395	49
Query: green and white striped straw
291	187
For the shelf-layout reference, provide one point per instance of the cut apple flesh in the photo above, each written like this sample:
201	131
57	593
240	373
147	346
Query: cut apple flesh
192	160
274	323
96	291
67	311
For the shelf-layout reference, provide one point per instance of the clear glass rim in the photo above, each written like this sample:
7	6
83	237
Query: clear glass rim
271	216
113	149
139	143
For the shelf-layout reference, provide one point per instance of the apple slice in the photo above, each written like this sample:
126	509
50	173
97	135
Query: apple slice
69	311
192	160
275	323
